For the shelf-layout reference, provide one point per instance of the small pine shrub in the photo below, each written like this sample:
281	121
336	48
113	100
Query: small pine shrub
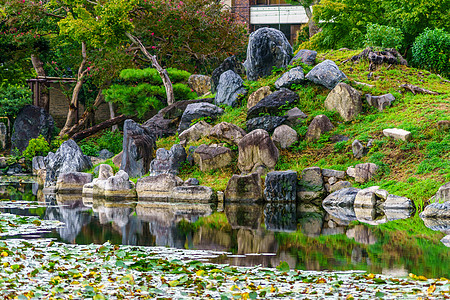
89	148
381	36
111	140
36	147
431	51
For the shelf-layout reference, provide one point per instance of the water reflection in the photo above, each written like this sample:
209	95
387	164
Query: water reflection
305	235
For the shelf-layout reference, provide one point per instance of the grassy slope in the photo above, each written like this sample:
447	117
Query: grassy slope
414	169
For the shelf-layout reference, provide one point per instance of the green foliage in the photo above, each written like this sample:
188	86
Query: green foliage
111	140
431	51
12	99
383	36
89	148
138	91
36	147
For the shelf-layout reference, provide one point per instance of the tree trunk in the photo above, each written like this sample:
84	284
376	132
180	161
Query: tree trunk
162	72
99	127
313	29
112	115
72	115
44	97
86	115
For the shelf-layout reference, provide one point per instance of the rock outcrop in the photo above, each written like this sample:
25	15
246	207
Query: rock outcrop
168	161
326	73
271	104
196	111
307	57
284	136
212	157
319	125
230	87
281	186
227	132
257	152
201	84
293	76
345	100
244	188
258	95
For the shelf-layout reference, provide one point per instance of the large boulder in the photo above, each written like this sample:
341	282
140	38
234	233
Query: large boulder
68	158
168	161
195	132
38	169
138	145
284	136
311	185
295	116
227	132
196	111
230	87
31	122
272	103
394	202
3	136
267	48
307	57
267	123
318	126
326	73
358	149
293	76
442	195
241	188
343	198
380	102
258	95
281	186
437	210
212	157
119	186
201	84
397	134
230	63
193	193
72	183
365	172
158	187
367	198
345	100
257	152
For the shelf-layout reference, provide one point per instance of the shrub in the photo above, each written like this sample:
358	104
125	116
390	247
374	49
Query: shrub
111	140
89	148
36	147
12	99
383	36
431	51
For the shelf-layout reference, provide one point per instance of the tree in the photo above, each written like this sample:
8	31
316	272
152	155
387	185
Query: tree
313	28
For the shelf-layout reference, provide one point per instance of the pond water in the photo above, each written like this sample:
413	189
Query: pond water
304	235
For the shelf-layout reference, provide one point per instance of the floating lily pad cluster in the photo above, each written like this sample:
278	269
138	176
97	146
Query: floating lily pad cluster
11	225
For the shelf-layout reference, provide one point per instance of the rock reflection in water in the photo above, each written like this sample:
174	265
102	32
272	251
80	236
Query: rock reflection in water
163	219
280	216
244	215
311	219
361	234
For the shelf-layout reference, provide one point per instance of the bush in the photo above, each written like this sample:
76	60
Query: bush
383	36
36	147
431	51
89	148
111	140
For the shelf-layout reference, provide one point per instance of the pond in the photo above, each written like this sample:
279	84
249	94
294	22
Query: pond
305	236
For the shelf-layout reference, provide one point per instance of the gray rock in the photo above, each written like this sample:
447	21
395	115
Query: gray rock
256	151
195	132
342	198
267	48
443	194
105	171
295	116
192	193
358	149
326	73
380	102
230	63
281	186
138	145
345	100
229	88
196	111
212	157
397	134
117	159
311	185
158	187
201	84
339	186
267	123
227	132
333	173
446	240
119	186
258	95
351	172
190	158
305	56
319	125
437	210
31	122
192	181
443	125
293	76
37	164
284	136
398	202
68	158
72	183
332	180
3	136
365	172
242	188
105	154
366	197
272	104
168	161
